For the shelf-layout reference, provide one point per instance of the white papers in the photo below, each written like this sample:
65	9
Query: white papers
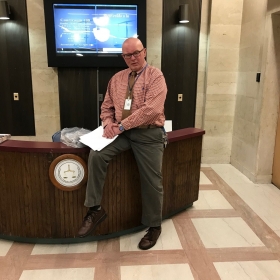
95	140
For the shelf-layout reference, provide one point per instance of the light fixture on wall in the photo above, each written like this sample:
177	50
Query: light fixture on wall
183	13
5	12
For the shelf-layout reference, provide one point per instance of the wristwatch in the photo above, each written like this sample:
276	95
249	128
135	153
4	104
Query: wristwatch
121	128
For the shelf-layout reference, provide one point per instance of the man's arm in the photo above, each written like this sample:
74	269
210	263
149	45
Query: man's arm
107	108
111	128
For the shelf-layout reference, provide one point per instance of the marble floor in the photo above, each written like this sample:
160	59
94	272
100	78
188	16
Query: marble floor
231	232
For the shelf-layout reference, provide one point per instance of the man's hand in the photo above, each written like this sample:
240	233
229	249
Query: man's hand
111	130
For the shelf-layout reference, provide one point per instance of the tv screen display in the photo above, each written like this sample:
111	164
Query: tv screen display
85	29
91	34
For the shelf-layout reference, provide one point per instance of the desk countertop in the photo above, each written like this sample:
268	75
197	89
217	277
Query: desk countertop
58	147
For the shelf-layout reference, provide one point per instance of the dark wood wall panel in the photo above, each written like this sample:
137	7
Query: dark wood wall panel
78	97
180	46
17	117
78	92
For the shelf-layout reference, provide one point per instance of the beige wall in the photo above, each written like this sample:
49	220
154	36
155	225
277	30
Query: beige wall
273	6
154	30
247	113
44	79
202	63
257	104
269	93
221	80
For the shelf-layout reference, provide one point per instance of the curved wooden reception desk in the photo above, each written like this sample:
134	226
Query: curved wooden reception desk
32	209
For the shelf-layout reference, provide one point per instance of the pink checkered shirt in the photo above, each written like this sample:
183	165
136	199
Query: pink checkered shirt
149	93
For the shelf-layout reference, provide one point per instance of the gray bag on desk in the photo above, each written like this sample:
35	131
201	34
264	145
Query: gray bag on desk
71	136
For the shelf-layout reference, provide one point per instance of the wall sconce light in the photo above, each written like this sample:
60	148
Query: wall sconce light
5	12
183	13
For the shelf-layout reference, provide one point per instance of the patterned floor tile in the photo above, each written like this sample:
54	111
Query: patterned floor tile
211	199
88	247
225	233
157	272
258	270
61	274
5	247
203	180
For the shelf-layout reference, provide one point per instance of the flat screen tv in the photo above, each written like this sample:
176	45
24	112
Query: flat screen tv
90	33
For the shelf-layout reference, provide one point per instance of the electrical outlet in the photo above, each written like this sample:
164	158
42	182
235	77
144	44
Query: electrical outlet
16	96
100	97
180	97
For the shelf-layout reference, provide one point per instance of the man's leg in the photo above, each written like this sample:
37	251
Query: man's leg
97	170
148	147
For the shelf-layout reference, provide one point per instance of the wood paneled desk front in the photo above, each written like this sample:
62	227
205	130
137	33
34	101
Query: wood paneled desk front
32	209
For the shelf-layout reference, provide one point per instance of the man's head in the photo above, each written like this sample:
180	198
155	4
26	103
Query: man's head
133	53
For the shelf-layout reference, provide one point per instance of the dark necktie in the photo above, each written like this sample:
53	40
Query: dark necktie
129	93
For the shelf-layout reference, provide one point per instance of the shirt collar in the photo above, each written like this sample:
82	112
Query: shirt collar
143	66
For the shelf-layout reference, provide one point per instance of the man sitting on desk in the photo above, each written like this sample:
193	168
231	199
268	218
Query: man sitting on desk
133	108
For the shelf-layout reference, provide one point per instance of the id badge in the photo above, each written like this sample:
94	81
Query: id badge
127	104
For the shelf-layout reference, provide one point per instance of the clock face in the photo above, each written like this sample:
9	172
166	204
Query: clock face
68	172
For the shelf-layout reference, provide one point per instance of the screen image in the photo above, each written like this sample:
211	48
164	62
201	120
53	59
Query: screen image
85	29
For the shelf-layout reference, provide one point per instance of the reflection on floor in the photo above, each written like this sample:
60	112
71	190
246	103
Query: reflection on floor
231	232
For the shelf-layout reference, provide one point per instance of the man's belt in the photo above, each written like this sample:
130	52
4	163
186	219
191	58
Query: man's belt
148	126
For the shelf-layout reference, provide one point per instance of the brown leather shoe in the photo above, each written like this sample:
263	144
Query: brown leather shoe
150	239
91	221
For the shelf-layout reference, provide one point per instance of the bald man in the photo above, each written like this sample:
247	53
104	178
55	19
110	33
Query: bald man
133	108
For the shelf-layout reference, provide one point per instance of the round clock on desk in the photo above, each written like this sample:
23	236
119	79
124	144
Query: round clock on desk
68	172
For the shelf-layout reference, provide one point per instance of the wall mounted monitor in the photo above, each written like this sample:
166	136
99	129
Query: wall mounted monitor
90	34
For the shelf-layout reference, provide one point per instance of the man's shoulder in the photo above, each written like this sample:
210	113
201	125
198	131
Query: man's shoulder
154	70
121	73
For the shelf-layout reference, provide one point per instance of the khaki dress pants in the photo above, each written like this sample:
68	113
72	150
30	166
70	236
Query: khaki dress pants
148	146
